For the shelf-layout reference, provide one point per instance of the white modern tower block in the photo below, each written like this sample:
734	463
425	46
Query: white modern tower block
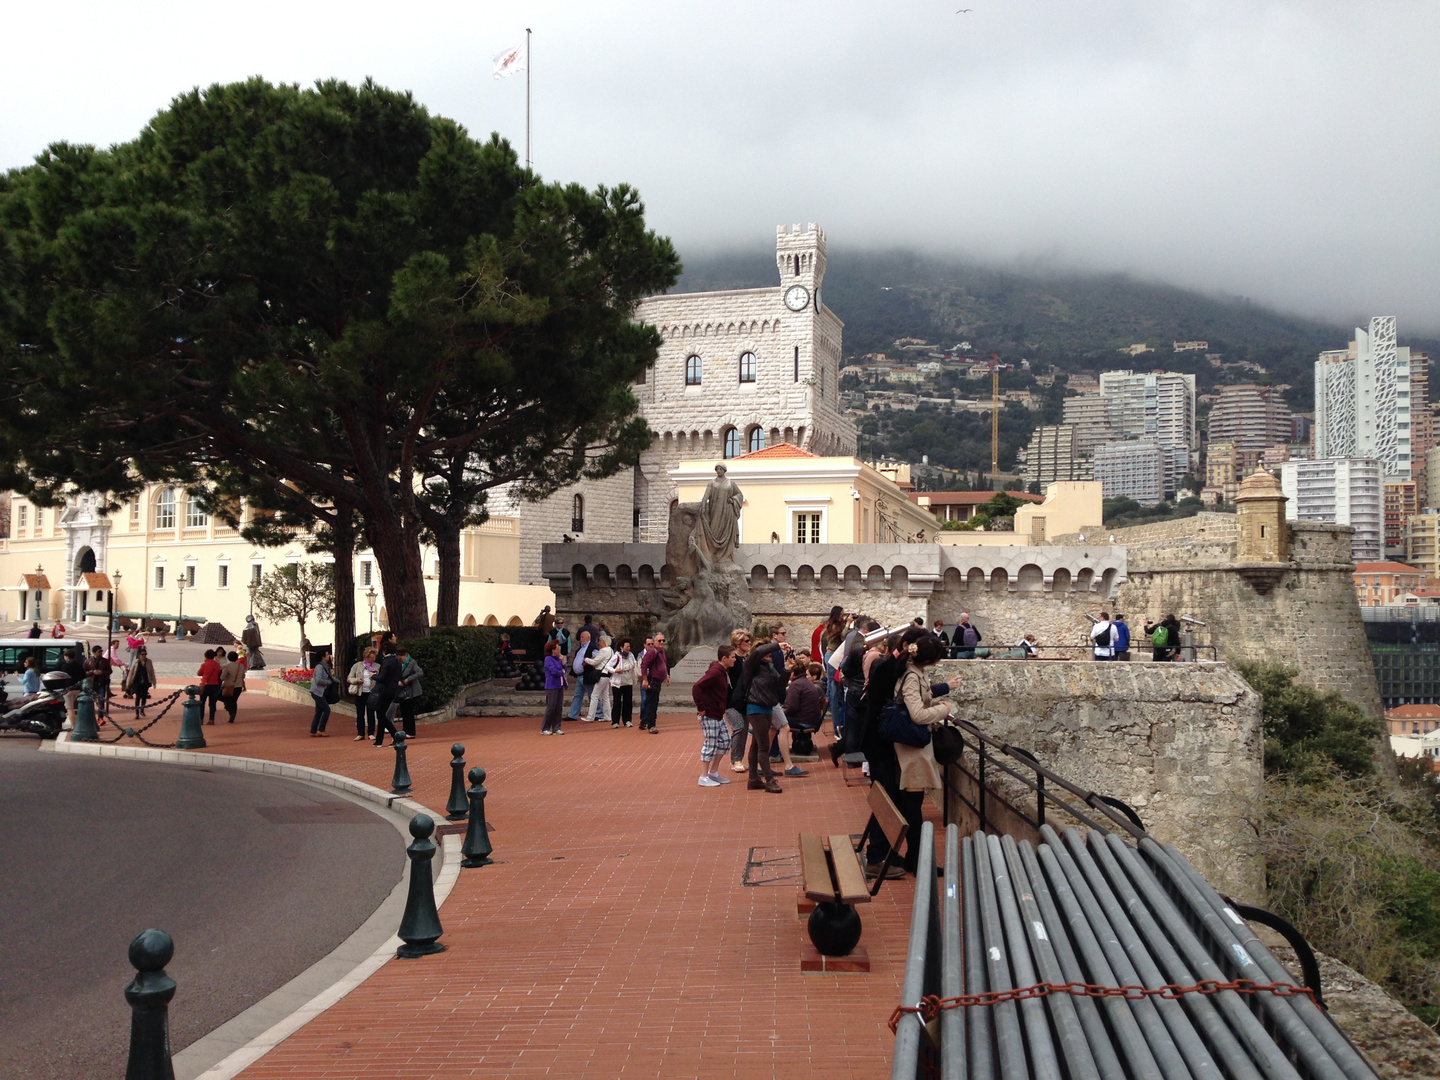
1341	491
1362	400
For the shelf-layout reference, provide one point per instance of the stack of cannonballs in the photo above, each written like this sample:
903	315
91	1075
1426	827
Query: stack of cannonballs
531	678
505	665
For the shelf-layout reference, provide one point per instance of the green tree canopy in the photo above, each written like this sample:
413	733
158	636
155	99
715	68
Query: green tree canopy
298	591
327	293
1310	734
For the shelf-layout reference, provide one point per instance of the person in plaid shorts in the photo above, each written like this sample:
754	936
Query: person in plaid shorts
711	693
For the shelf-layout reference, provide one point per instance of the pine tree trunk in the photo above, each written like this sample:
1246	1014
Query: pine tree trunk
343	532
402	576
447	604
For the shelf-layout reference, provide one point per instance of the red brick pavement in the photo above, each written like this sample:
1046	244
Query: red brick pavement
615	938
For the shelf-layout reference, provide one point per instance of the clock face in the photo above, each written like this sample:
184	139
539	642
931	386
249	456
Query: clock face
796	297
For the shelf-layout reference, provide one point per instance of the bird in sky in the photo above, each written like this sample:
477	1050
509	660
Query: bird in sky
964	11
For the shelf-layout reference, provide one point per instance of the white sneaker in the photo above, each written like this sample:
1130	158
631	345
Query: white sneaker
558	731
739	766
709	781
719	779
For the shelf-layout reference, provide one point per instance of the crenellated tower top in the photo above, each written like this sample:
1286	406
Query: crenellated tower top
800	255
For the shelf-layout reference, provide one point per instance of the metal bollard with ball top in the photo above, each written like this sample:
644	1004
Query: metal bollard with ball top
85	727
420	925
149	995
477	848
400	782
457	808
191	735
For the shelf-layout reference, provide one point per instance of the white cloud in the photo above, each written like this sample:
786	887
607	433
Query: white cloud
1284	150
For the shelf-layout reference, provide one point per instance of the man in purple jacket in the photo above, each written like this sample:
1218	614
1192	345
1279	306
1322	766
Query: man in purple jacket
654	673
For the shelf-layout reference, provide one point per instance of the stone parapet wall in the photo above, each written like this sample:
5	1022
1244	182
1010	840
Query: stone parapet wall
1180	743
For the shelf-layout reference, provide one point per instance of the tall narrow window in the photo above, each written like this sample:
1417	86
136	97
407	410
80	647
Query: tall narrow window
222	577
797	363
135	509
24	511
159	577
39	519
195	516
757	439
747	367
366	570
165	510
256	570
577	514
732	443
190	575
807	528
692	370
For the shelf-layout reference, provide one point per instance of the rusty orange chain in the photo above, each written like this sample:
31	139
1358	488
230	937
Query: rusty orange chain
932	1006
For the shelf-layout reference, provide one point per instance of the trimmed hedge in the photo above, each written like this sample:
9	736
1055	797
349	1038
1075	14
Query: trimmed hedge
451	657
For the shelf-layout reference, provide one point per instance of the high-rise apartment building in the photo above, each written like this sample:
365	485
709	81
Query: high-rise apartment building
1052	456
1422	419
1362	400
1251	417
1159	406
1422	541
1341	491
1402	501
1134	469
1090	415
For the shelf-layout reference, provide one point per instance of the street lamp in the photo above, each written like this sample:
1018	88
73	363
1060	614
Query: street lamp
370	599
180	586
114	602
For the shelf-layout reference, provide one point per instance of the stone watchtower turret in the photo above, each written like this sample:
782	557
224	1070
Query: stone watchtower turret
1263	536
800	258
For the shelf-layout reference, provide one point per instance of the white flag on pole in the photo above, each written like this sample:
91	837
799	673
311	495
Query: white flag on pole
509	61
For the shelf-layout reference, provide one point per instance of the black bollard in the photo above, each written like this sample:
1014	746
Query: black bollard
400	782
476	848
457	808
149	996
420	925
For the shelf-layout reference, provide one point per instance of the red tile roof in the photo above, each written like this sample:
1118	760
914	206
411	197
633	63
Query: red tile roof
779	450
36	581
97	581
967	498
1386	568
1413	712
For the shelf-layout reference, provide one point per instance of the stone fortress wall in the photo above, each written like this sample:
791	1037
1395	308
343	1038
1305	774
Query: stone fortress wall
1179	743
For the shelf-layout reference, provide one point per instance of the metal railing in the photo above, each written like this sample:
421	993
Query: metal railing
1138	649
994	759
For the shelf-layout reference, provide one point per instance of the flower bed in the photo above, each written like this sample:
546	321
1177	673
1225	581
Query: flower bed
300	676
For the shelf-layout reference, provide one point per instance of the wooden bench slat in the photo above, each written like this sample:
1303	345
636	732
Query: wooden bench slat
887	815
849	878
816	868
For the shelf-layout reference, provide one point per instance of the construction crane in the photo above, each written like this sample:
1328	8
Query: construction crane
994	418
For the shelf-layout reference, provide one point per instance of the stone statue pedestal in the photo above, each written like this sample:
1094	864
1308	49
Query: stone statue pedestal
695	664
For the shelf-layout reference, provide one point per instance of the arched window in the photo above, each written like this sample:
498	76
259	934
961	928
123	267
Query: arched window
747	367
165	509
732	442
757	439
577	514
692	370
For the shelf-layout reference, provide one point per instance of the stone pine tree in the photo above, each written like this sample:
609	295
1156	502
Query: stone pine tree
335	295
302	591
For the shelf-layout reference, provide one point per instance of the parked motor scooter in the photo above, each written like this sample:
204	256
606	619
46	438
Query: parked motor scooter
41	714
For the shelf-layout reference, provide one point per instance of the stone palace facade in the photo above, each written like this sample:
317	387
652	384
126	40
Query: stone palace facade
738	370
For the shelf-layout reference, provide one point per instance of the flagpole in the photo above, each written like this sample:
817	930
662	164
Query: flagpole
527	97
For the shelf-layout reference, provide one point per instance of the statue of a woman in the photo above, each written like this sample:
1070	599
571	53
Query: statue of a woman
720	516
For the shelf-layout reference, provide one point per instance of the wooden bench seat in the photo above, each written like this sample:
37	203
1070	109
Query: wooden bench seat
833	878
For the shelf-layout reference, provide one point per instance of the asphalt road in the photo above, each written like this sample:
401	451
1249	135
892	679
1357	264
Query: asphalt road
255	878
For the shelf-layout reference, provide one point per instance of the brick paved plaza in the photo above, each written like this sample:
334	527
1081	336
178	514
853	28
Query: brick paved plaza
615	937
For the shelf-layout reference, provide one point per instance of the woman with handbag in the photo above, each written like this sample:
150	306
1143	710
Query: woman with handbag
897	738
140	679
361	680
232	684
322	679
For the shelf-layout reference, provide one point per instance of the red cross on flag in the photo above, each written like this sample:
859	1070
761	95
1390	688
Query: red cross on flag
509	61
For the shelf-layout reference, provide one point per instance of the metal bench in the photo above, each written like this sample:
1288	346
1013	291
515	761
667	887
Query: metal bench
834	877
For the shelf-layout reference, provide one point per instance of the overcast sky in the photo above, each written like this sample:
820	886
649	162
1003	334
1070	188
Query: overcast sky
1285	151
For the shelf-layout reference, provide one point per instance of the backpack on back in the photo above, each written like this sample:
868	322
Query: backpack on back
968	637
1160	638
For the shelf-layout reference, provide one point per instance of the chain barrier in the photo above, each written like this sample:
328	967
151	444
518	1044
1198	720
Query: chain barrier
133	733
932	1006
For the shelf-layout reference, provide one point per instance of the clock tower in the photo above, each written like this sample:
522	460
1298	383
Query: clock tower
800	258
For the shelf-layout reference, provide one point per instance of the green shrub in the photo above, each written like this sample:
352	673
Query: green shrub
1346	862
1309	733
451	657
